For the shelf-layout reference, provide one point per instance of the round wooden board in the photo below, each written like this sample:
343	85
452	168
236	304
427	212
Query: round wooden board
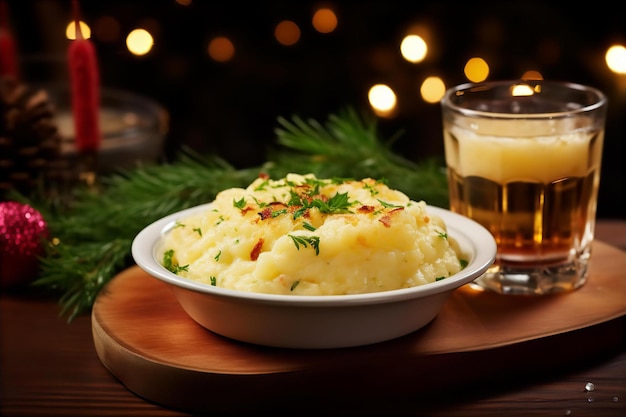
142	335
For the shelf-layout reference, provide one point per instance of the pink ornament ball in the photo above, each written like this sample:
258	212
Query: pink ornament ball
23	231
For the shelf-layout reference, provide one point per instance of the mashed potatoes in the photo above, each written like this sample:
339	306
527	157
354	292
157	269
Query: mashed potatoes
309	236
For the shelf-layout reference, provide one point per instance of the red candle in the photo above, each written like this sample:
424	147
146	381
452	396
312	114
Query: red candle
8	61
84	79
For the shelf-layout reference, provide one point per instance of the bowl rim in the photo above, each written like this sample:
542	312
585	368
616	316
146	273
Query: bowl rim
470	235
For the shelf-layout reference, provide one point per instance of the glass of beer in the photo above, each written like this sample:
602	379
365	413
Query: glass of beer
523	159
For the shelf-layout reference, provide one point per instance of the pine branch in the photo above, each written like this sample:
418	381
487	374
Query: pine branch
135	198
94	238
79	272
345	135
348	146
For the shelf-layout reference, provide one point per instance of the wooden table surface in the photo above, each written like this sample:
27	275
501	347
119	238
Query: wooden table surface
50	368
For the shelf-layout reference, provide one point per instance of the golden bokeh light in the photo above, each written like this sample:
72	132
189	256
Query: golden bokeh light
476	70
432	89
287	33
221	49
70	30
521	90
532	75
616	59
382	99
139	42
413	48
324	20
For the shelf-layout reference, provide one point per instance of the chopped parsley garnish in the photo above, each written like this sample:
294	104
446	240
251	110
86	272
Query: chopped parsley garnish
309	226
278	212
300	212
372	189
315	183
240	204
198	230
261	204
262	185
217	257
213	281
313	241
168	263
463	262
295	199
339	203
388	205
294	285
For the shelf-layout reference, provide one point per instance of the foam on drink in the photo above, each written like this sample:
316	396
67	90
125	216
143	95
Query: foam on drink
514	150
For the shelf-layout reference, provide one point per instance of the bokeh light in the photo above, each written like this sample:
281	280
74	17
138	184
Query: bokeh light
139	42
476	70
521	90
287	33
382	99
432	89
413	48
70	30
616	59
221	49
324	20
532	75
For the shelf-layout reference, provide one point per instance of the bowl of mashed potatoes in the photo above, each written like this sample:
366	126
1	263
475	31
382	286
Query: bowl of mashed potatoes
313	263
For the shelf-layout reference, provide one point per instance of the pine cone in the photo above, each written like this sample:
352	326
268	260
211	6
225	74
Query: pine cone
30	142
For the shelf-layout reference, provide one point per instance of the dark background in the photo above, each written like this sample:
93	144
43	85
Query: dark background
231	108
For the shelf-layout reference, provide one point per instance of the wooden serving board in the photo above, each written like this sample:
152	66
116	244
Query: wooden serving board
145	339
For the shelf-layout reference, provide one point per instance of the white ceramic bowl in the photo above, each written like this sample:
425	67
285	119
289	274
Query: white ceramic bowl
315	322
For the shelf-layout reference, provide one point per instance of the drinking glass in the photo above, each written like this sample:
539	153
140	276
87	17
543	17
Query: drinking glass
523	159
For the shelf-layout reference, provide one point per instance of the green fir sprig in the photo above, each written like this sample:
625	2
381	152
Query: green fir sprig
348	146
93	235
92	238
